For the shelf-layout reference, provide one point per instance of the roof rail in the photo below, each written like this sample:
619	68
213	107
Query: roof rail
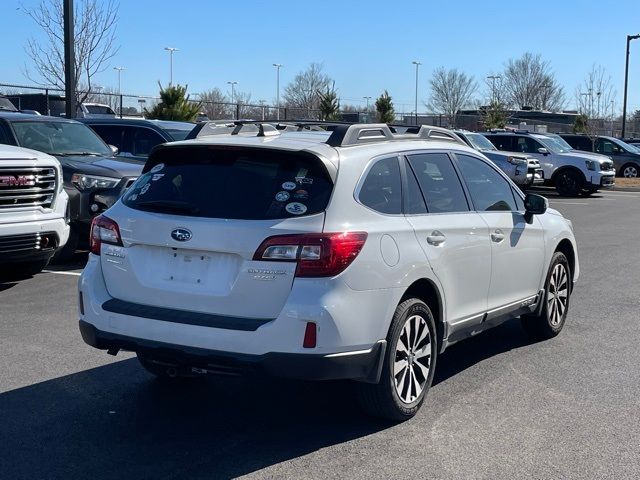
355	134
428	132
264	129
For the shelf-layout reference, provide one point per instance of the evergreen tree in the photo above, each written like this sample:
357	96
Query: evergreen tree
174	105
384	107
329	104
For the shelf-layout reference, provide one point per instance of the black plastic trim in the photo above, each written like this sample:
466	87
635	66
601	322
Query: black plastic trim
183	316
363	366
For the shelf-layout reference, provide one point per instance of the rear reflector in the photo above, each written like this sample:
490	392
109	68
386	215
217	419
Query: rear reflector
318	255
310	333
81	303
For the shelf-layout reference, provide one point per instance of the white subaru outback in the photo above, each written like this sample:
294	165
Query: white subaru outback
351	254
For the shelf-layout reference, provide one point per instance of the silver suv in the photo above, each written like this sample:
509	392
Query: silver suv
353	254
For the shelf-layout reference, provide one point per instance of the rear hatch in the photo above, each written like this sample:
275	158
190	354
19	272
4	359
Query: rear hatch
191	224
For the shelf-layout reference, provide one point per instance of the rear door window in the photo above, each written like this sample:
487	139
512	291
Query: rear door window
439	182
232	182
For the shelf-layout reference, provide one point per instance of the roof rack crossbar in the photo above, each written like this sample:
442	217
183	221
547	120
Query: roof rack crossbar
355	134
264	129
438	133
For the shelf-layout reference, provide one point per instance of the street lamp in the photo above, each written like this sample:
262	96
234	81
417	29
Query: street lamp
119	69
626	79
493	79
171	50
417	64
367	99
278	67
141	102
233	94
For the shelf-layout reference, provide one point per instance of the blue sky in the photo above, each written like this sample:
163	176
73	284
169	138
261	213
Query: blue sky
366	46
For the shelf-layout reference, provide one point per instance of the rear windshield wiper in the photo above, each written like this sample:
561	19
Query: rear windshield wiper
168	206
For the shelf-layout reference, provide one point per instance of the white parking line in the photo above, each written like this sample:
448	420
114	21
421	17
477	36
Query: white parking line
552	202
73	274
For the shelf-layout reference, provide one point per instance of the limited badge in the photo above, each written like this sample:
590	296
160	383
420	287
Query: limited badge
282	196
296	208
289	185
301	195
157	168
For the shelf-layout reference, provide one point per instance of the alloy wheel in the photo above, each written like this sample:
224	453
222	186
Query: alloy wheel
630	172
412	361
557	294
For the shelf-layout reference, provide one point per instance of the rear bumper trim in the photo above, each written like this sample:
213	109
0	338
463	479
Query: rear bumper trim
363	365
183	316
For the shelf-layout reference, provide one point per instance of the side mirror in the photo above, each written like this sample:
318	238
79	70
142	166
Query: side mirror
114	149
543	151
534	205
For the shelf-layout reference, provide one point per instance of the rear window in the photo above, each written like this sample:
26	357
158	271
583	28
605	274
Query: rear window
231	182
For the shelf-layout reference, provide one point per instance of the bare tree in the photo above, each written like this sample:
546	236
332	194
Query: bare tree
303	91
451	91
595	94
94	28
215	104
529	82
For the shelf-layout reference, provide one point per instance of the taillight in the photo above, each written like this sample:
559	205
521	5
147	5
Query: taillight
318	255
103	230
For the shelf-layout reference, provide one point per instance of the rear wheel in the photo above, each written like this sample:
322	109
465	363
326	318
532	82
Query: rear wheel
556	301
409	364
569	183
630	170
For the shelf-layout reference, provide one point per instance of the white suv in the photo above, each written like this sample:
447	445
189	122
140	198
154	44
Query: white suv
352	254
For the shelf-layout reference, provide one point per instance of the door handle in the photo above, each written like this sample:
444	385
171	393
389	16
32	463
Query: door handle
497	236
436	238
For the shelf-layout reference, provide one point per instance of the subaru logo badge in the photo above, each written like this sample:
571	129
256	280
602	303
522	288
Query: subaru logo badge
181	234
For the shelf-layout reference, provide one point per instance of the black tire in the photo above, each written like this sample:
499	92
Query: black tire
65	254
548	324
382	399
630	170
569	183
589	191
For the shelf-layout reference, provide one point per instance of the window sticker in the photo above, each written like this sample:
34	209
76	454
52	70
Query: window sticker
289	185
296	208
301	174
157	177
133	197
144	189
283	196
157	168
301	195
304	180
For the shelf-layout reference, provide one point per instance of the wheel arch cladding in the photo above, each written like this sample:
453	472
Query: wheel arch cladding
566	248
426	291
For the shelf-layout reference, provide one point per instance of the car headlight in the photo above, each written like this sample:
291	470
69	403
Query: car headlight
93	182
591	165
517	160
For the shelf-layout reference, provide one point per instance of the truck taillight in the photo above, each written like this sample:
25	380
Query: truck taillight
317	255
103	230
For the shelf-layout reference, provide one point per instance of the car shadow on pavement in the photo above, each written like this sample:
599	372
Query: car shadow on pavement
460	356
116	421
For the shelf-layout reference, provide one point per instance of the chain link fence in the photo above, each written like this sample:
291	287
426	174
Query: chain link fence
50	101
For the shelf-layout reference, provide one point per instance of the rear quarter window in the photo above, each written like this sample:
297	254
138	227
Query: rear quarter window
232	182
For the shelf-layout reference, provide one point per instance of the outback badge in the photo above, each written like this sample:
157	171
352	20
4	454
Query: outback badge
181	234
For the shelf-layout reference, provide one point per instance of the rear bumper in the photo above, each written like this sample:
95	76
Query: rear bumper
361	365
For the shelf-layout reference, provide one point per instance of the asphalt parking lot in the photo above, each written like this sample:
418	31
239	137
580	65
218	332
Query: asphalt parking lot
501	407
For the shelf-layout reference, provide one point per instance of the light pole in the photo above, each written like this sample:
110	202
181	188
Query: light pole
141	102
417	64
612	115
626	79
119	69
278	67
233	95
171	50
493	79
262	102
367	99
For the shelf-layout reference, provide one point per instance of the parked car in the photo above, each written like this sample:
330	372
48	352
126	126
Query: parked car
352	254
626	158
95	110
524	170
570	172
6	105
93	177
33	210
136	137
